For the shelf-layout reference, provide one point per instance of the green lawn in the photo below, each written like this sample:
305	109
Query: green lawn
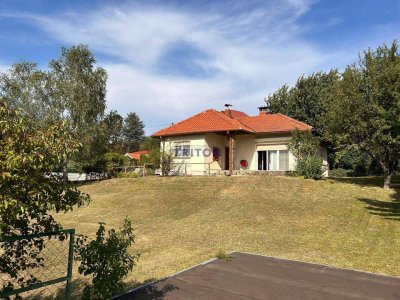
180	221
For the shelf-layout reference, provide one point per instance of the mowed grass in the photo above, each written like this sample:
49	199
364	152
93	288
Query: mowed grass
180	222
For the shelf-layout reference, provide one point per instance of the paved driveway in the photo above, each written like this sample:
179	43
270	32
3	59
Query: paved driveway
250	276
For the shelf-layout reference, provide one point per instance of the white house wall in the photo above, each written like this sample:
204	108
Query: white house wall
221	142
194	164
247	146
245	150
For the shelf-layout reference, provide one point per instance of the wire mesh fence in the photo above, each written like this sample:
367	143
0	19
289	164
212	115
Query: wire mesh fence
38	266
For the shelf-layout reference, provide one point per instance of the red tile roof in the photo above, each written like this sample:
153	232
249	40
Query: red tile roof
138	154
215	121
234	113
206	121
273	123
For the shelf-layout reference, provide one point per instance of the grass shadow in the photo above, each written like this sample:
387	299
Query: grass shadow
156	291
386	209
367	181
58	291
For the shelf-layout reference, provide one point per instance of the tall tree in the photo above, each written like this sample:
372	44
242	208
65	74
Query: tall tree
80	91
27	88
307	101
72	90
133	132
365	108
113	123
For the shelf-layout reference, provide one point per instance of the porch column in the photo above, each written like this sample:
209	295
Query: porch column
232	146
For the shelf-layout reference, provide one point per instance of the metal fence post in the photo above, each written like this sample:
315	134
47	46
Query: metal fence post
70	264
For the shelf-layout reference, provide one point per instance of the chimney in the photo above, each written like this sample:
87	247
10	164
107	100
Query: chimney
263	110
228	110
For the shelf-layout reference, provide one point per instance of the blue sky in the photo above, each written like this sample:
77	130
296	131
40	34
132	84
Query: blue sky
167	60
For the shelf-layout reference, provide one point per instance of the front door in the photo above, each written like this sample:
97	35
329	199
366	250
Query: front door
226	158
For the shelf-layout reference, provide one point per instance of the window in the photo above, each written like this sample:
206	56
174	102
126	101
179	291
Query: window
273	160
182	151
283	160
262	160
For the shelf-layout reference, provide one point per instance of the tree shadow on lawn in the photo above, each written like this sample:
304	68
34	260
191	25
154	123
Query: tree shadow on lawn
386	209
367	181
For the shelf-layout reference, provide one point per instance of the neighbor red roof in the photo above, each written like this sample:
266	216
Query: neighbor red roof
138	154
215	121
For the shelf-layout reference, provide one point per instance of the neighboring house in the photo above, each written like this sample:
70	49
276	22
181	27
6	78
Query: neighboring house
232	142
138	154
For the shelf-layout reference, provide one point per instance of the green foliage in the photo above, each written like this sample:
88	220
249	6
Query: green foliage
28	89
115	160
166	160
356	162
150	143
107	260
224	256
133	132
339	172
79	92
28	191
127	175
310	167
72	90
307	101
113	124
365	108
303	144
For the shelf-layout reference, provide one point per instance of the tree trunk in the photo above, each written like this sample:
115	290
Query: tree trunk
65	171
387	178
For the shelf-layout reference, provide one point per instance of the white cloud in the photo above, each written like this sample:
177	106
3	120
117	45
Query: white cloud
250	53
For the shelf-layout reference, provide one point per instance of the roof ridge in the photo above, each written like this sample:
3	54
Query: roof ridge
237	119
233	121
294	120
191	117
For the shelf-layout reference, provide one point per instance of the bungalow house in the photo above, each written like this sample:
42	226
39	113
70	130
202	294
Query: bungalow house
232	142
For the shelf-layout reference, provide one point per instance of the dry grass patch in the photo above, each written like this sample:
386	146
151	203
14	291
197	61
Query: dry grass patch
183	221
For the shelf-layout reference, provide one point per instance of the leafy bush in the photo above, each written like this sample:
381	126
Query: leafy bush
127	175
310	168
115	160
107	260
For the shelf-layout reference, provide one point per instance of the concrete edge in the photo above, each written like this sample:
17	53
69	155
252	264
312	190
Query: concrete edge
314	263
166	277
